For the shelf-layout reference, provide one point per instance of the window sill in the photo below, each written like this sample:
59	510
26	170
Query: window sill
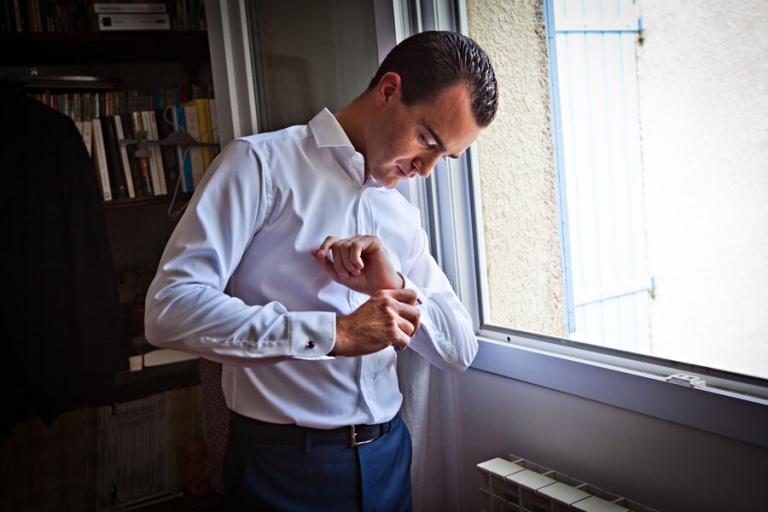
738	416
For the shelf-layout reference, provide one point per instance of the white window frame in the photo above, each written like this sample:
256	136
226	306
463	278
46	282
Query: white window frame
729	404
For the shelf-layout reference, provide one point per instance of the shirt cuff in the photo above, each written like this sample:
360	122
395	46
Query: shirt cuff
420	298
312	335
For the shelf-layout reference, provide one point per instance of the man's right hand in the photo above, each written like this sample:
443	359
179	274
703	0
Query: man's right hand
388	318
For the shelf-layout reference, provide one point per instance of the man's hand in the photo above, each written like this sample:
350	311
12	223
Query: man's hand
360	263
388	318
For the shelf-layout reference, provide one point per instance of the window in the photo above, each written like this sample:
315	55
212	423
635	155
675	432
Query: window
635	218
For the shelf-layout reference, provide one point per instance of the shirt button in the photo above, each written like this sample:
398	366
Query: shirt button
310	344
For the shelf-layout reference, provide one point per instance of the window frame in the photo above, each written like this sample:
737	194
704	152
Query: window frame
730	404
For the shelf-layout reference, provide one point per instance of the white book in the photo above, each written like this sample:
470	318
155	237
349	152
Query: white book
107	8
88	135
195	152
131	21
157	188
166	356
124	157
157	152
100	161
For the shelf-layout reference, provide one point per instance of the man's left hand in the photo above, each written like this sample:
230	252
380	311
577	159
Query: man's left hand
360	263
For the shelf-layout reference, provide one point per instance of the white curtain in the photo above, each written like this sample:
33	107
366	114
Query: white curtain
429	411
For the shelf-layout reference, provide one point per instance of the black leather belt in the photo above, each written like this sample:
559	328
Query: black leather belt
290	434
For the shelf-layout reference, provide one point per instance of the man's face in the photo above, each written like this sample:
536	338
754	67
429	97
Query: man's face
407	141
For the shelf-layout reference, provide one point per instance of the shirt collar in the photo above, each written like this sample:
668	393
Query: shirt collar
328	132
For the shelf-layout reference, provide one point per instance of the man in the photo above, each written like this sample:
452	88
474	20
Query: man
298	267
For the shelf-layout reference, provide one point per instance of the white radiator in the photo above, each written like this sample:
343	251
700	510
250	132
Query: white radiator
518	485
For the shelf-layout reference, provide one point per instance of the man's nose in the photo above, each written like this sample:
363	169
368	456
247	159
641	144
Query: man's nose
424	164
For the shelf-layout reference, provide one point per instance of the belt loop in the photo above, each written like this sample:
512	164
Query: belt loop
307	441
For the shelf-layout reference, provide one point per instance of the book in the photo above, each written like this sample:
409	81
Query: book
156	151
131	21
146	179
195	152
180	122
100	161
205	130
152	150
147	355
110	8
133	162
112	152
168	154
125	163
88	135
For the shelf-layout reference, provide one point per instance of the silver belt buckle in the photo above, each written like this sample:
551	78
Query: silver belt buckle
352	438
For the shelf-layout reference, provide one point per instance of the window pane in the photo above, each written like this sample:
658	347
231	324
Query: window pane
310	55
636	217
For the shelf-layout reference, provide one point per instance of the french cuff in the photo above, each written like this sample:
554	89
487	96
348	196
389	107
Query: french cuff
311	335
420	298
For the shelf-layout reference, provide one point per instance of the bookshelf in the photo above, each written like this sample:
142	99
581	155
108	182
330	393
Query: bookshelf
138	228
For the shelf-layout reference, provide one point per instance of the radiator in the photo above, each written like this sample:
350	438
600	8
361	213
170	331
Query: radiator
519	485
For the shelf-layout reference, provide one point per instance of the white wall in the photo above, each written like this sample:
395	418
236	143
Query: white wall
703	83
657	463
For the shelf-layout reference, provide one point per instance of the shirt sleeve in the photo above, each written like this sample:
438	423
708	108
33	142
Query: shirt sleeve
187	307
446	337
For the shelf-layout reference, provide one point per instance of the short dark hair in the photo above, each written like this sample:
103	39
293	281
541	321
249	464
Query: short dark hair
432	61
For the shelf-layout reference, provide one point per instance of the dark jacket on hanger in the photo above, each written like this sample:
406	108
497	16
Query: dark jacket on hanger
61	321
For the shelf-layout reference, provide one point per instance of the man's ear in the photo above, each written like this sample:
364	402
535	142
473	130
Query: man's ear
388	85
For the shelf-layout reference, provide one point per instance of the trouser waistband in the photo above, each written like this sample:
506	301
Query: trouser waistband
291	434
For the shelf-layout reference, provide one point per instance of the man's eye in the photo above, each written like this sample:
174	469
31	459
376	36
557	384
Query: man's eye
423	140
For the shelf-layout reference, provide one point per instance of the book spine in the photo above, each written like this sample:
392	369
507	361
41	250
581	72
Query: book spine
151	161
184	156
114	165
88	136
168	153
133	162
146	178
195	152
131	21
204	122
156	154
125	163
100	160
109	8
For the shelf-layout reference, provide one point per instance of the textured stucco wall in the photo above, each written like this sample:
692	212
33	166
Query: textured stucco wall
517	170
703	82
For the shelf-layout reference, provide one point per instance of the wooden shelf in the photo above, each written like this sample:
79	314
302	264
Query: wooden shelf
115	204
71	48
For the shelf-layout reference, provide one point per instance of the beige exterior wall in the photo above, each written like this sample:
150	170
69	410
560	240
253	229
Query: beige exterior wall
703	82
517	170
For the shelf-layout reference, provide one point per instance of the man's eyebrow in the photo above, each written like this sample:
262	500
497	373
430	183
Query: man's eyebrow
438	140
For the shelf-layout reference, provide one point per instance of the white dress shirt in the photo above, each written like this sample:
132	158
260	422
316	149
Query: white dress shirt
237	282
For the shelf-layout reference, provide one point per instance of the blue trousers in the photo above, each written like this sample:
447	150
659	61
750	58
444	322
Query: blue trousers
373	477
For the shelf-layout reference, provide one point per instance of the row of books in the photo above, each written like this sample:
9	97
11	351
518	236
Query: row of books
101	458
123	136
87	105
83	15
130	160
